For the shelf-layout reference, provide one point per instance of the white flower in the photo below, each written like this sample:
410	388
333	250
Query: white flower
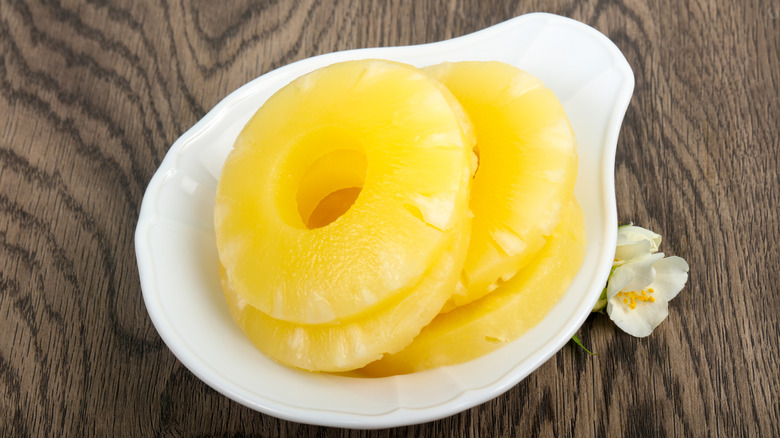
641	282
639	290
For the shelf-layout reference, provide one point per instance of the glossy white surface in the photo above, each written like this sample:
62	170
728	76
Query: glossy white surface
177	258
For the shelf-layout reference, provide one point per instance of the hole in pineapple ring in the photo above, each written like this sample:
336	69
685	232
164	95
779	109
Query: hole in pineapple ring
330	186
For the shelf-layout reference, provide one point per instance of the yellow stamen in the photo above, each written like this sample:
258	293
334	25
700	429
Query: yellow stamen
631	297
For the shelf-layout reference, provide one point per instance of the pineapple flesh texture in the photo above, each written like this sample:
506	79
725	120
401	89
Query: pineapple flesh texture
501	316
526	174
354	342
342	191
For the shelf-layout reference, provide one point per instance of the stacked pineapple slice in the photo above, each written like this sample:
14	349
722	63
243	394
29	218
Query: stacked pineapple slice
344	214
527	168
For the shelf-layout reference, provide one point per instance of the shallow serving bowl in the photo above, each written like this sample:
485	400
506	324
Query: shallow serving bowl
177	257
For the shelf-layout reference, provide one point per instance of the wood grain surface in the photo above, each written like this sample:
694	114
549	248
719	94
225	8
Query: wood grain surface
93	94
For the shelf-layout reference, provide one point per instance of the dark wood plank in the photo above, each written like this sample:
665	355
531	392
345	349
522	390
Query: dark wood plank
93	94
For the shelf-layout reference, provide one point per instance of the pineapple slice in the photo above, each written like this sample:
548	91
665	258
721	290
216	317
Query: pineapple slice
503	315
342	191
527	168
354	342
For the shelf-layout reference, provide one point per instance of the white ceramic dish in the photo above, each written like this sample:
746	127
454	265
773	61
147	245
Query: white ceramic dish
177	258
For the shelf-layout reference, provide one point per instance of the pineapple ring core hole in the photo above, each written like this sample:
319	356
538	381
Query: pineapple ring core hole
330	186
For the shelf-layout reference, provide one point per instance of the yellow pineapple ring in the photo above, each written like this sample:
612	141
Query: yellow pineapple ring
354	342
501	316
380	134
527	168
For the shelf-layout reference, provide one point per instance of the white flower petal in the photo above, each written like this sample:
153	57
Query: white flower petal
618	281
633	233
671	274
633	276
632	250
640	321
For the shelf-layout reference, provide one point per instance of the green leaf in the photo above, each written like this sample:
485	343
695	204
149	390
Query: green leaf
577	341
601	303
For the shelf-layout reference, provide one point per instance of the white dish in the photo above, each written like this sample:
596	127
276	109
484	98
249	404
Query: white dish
177	258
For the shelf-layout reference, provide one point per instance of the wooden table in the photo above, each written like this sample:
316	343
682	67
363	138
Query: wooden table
92	95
